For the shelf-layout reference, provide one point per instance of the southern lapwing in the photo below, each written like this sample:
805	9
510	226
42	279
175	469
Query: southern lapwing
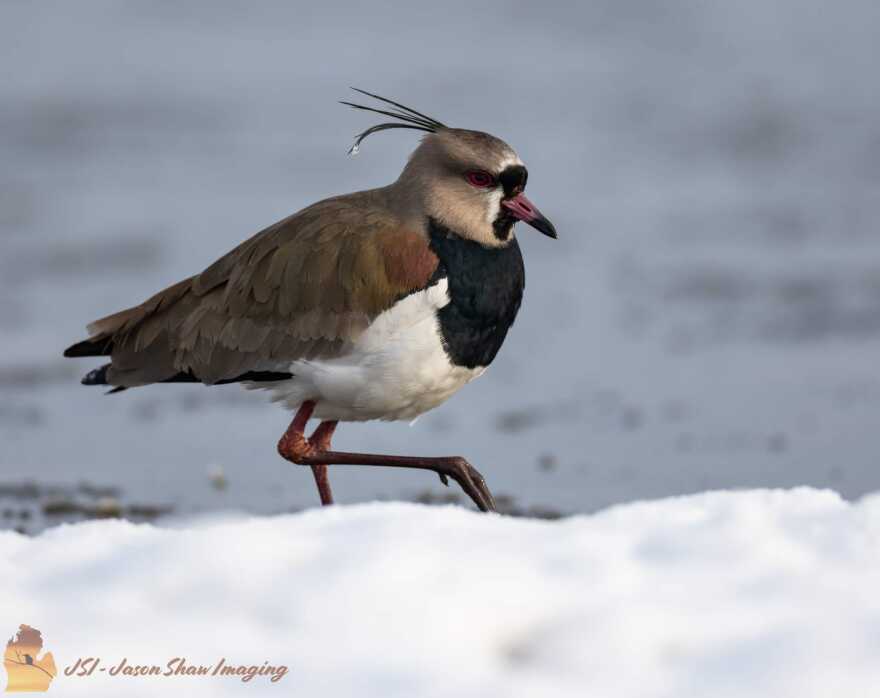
374	305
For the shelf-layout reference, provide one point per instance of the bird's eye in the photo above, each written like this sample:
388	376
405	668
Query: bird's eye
479	178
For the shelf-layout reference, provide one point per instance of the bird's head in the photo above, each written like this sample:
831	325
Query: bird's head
469	181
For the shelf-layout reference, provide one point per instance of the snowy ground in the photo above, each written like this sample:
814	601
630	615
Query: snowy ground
751	593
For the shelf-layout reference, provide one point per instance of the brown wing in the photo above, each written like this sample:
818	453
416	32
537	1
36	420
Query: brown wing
303	288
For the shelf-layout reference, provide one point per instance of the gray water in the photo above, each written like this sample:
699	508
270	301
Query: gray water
709	317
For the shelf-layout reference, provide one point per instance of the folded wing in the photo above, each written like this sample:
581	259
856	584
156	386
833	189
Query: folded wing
303	288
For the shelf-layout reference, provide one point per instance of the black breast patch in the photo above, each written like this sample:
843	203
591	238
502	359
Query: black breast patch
485	290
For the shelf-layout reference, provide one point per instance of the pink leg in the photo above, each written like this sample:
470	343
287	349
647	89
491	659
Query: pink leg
294	441
320	441
294	446
315	452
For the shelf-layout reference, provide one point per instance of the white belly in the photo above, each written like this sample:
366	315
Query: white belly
397	369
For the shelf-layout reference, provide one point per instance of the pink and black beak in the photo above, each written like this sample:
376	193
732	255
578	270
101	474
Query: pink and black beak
524	210
515	203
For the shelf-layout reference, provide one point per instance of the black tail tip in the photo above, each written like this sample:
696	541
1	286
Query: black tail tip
96	377
88	347
84	348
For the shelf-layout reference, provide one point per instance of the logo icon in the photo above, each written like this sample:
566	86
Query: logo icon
26	670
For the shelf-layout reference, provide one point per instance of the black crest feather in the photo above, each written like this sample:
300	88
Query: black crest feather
407	118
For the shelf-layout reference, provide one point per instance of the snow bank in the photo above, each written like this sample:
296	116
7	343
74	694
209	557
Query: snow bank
770	593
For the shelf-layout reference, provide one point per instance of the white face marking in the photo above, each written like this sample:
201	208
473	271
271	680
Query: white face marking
496	195
493	204
510	161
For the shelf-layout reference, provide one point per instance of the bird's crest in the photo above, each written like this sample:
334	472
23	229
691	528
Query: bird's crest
410	118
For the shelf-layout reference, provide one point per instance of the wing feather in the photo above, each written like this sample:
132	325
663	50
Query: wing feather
303	288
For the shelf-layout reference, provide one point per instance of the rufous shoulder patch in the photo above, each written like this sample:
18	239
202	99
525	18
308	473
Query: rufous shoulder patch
409	260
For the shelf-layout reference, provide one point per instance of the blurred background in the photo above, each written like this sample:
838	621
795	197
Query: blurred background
709	317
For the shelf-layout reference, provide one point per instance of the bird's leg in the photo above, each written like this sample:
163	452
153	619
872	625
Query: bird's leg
320	442
455	467
294	446
294	442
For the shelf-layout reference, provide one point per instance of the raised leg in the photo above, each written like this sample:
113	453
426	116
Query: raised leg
456	467
294	447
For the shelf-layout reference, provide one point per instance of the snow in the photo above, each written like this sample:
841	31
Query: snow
759	592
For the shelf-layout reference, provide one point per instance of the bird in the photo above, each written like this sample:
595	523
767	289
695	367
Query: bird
373	305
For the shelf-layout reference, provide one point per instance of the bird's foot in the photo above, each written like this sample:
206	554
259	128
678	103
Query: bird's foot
469	479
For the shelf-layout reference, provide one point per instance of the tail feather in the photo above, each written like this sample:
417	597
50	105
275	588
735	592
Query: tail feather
90	347
97	376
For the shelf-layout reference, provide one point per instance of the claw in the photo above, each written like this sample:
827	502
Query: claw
472	482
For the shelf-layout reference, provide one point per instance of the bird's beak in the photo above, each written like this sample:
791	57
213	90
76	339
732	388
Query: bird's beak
524	210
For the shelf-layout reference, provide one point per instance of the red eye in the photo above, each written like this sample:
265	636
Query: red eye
481	179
